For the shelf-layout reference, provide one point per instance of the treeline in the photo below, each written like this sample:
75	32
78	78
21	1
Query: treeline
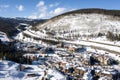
112	36
16	57
9	52
6	48
8	27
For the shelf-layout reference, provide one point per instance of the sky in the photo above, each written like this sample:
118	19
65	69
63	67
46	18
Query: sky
43	9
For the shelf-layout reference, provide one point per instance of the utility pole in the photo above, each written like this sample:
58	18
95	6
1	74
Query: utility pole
20	65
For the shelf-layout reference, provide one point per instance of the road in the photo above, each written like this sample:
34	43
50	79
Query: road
102	46
97	45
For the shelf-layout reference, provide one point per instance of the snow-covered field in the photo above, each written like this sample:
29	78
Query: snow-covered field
10	71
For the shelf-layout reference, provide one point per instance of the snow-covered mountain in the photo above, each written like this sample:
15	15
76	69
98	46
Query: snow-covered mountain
66	46
93	21
76	25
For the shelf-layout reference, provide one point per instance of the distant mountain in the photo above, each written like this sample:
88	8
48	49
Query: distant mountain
8	25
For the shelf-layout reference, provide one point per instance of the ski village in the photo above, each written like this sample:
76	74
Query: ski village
78	45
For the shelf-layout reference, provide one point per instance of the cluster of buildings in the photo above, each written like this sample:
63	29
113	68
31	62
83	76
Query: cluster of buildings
74	62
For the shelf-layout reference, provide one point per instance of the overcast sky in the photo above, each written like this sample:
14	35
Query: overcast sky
49	8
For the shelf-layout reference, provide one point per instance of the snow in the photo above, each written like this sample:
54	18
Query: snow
10	71
117	67
56	75
104	40
82	68
83	22
3	37
34	34
80	42
87	75
26	39
90	44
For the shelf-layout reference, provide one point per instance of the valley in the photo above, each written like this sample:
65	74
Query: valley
76	45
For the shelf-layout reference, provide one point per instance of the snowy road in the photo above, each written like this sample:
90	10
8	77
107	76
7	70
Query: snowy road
96	45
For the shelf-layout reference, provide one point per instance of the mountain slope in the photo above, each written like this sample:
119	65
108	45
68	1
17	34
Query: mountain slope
85	21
